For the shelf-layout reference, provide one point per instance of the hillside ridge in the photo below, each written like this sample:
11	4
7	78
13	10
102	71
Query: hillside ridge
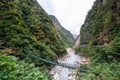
64	34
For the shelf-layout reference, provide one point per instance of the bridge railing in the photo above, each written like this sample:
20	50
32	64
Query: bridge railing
63	64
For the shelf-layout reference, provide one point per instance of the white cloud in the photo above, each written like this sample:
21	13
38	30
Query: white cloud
70	13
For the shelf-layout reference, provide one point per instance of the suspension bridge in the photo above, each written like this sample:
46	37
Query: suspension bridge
63	64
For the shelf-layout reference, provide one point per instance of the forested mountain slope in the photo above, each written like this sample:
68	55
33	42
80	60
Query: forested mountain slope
100	41
102	23
23	23
64	34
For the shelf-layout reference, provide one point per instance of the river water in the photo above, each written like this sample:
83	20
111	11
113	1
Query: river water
62	73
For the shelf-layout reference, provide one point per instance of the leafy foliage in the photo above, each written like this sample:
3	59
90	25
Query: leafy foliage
13	69
102	71
107	53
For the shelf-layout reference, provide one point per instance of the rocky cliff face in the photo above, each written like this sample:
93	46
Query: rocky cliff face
24	23
102	23
64	34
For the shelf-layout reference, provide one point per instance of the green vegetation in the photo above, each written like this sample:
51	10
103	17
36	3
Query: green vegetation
102	71
104	63
107	53
64	34
102	23
13	69
100	41
24	23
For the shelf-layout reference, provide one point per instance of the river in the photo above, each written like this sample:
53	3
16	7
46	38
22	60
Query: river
62	73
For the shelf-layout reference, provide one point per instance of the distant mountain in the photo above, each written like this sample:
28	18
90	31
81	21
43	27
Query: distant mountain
75	36
77	42
64	34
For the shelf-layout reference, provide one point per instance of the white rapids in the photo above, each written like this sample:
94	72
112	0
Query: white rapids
62	73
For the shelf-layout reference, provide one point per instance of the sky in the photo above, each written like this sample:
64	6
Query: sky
70	13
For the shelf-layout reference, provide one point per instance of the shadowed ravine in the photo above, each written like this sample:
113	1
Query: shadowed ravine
62	73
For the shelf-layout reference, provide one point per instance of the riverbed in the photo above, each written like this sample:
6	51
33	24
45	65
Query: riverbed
62	73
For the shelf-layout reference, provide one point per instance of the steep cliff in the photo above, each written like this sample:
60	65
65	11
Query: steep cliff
100	39
64	34
102	23
24	23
